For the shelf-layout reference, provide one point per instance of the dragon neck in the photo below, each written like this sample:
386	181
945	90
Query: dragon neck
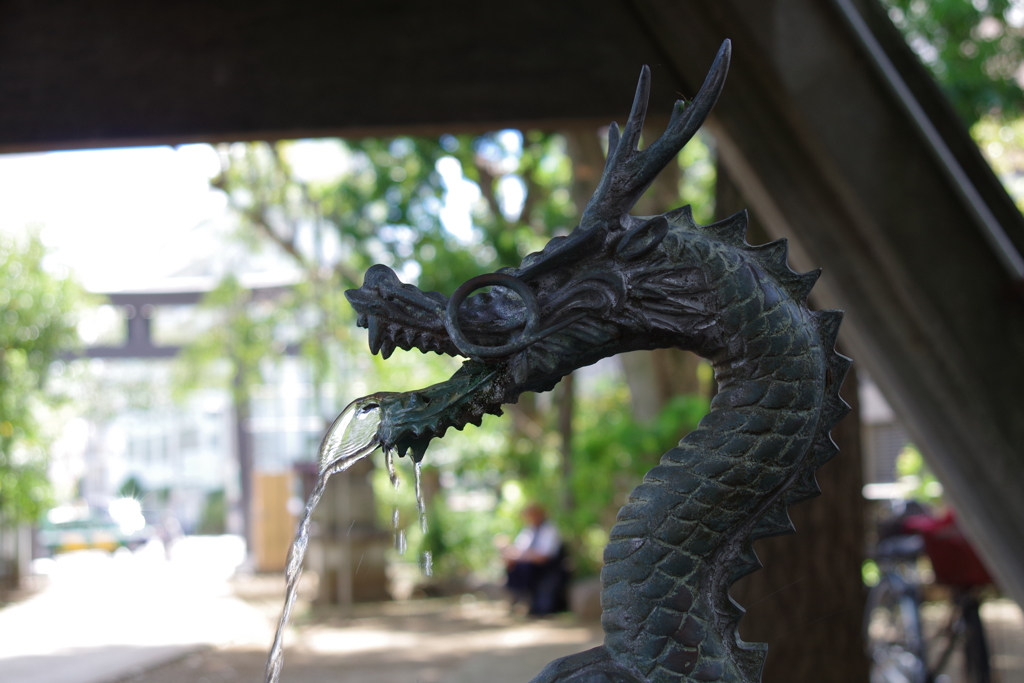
666	576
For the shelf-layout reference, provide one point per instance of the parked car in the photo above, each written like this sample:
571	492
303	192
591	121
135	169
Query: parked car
87	528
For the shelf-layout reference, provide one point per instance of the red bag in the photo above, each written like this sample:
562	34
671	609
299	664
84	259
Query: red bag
953	559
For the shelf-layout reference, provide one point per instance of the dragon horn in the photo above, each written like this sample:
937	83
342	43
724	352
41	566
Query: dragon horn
628	172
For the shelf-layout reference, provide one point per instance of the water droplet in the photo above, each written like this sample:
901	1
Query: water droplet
389	460
400	543
427	563
420	504
394	526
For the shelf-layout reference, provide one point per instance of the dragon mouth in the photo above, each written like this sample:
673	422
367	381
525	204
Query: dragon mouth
385	336
402	316
398	315
409	420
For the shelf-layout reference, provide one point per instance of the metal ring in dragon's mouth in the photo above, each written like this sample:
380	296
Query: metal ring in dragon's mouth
528	335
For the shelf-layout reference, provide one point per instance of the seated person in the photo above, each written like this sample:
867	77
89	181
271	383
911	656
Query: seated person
535	564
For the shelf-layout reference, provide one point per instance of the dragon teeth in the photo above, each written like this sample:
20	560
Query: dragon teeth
385	337
405	338
375	335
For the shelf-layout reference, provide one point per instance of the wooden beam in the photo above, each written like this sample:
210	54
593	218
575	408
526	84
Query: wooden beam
115	72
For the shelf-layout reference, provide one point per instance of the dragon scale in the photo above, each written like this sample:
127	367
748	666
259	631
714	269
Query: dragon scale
620	283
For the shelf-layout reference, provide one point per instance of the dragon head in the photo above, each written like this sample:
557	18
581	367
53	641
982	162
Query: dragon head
564	307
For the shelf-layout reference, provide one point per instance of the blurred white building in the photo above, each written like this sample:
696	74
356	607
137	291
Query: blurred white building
179	455
882	433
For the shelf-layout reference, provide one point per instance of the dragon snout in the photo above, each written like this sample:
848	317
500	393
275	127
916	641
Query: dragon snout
400	316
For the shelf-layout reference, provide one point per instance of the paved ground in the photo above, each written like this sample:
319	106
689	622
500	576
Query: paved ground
463	641
105	616
425	641
1004	630
145	618
141	618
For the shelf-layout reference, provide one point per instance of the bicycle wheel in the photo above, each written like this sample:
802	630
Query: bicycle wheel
893	633
976	655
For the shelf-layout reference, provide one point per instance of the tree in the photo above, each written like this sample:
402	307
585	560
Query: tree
975	49
37	324
385	206
231	354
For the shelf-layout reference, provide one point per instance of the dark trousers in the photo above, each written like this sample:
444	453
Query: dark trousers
543	585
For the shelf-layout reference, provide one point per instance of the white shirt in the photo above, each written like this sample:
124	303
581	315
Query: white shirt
543	540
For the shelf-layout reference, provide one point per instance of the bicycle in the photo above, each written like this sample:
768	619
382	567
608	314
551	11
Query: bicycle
896	644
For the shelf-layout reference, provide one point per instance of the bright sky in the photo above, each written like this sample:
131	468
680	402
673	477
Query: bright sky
120	218
128	219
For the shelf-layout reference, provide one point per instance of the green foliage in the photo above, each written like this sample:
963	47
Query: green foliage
974	48
386	205
213	518
230	353
462	540
870	574
698	174
132	488
37	324
1002	143
914	473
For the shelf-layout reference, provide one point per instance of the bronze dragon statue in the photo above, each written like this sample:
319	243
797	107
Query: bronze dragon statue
620	283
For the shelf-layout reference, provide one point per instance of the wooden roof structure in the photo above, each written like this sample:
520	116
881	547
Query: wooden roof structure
832	131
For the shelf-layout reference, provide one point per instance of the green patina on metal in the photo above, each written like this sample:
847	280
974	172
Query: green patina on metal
622	283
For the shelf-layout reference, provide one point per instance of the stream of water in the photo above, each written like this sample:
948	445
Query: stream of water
426	559
351	438
294	568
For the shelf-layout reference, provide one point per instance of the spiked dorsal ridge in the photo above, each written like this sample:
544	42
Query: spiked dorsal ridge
805	488
828	325
682	218
730	230
775	522
772	255
798	284
745	563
